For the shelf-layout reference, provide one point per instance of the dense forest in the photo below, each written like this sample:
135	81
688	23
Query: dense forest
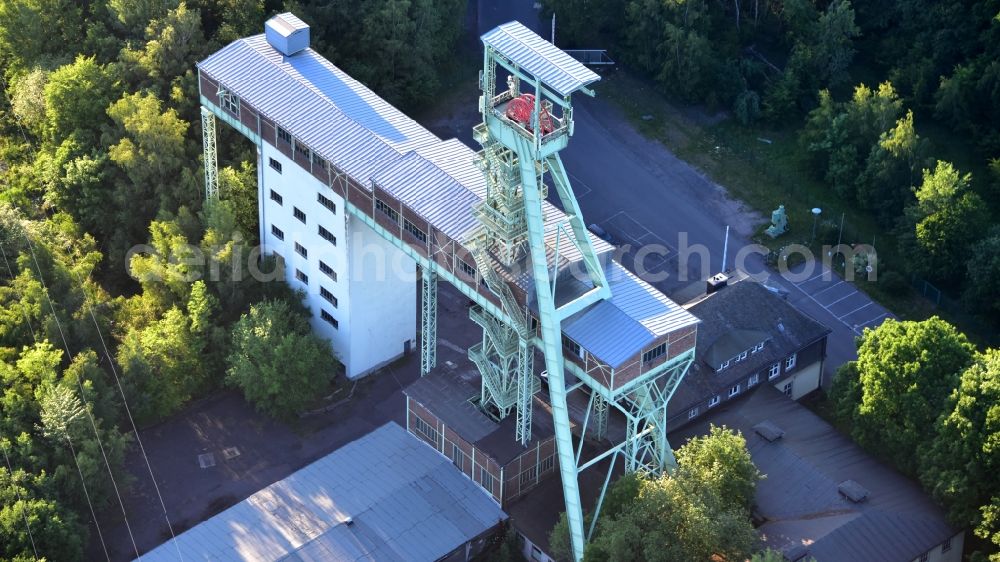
100	150
858	80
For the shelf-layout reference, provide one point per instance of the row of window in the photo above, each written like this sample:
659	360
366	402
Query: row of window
741	356
320	198
530	475
772	373
323	233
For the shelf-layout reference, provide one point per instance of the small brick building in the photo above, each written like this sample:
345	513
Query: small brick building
442	409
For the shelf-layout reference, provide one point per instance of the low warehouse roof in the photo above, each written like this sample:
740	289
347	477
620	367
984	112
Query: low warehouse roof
385	496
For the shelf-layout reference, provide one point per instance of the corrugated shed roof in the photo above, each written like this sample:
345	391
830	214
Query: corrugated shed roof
541	59
406	502
618	328
799	501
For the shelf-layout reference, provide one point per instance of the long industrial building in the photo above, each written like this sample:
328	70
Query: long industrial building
360	202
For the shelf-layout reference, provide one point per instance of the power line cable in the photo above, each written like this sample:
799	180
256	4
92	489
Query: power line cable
24	513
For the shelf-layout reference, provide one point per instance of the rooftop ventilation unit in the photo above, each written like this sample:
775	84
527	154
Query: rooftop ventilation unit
287	33
769	431
853	491
716	283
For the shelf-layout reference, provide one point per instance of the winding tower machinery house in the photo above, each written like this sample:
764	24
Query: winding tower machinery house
342	175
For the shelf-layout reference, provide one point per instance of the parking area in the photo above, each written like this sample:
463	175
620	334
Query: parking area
842	300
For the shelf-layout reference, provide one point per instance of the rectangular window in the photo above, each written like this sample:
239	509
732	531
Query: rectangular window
946	546
416	232
328	296
327	235
284	135
487	480
467	269
790	362
774	371
301	149
426	429
754	379
692	413
276	197
456	455
277	232
329	318
787	389
299	214
231	103
275	164
714	401
734	391
572	347
724	365
758	347
318	161
654	353
528	477
328	271
547	463
925	557
392	213
326	202
301	276
301	250
742	356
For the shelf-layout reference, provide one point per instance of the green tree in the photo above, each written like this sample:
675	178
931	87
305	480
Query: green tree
76	97
134	15
963	458
28	100
906	372
948	218
167	271
982	283
697	513
37	31
55	531
276	360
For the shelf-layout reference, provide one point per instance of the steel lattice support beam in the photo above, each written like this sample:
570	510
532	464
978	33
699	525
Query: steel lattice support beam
211	156
428	320
600	417
525	390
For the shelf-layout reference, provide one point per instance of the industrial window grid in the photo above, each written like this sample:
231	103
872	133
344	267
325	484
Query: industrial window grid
692	413
467	269
274	164
741	356
547	463
326	202
301	276
787	389
318	161
326	316
231	102
301	250
485	479
284	135
724	365
277	232
327	235
426	430
714	401
528	476
925	557
754	379
323	292
301	149
276	197
734	390
758	347
790	361
946	545
654	353
389	211
457	455
572	347
416	232
774	371
328	271
297	213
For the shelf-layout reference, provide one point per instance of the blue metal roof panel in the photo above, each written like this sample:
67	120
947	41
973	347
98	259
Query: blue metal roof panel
541	59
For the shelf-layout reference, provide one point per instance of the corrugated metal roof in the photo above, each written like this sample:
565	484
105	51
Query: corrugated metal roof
619	328
406	501
346	123
541	59
432	193
287	23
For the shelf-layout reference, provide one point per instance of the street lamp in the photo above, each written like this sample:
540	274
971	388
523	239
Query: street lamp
815	211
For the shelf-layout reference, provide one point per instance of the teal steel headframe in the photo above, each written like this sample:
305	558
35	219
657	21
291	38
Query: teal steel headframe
537	151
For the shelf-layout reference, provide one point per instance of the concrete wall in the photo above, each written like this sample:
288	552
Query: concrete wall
374	316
